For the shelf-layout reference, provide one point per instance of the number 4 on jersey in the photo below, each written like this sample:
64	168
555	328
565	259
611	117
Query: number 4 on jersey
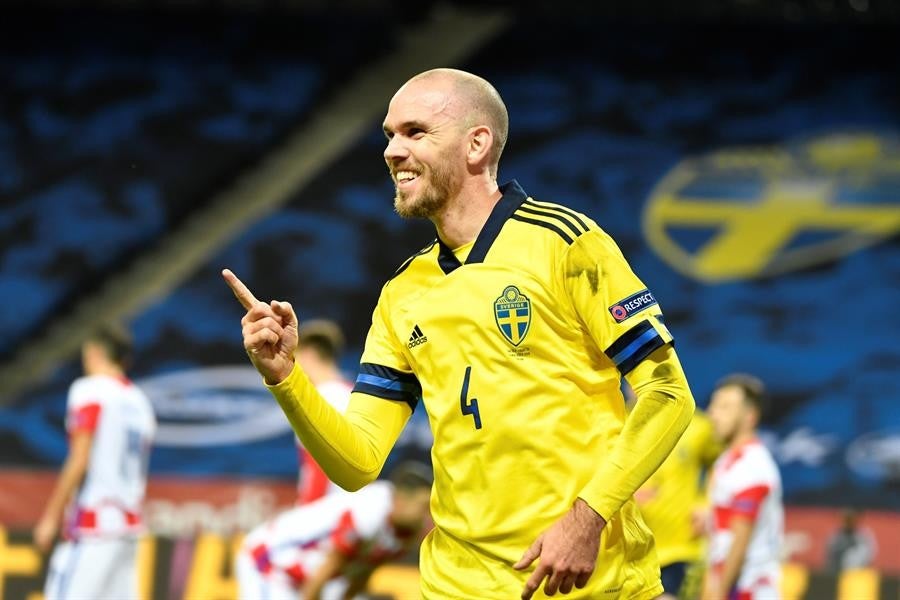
469	407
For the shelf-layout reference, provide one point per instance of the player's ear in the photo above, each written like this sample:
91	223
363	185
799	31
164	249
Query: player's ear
480	142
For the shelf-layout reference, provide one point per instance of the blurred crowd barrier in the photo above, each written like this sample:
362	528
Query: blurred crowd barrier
172	568
195	525
200	567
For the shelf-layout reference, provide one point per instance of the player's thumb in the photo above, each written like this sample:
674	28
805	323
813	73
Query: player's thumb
532	553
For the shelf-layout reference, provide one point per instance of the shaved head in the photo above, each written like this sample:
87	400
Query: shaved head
475	101
445	132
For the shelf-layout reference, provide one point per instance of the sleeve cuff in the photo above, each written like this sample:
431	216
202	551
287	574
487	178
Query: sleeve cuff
291	391
288	382
604	504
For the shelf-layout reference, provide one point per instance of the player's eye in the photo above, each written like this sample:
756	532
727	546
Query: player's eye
416	132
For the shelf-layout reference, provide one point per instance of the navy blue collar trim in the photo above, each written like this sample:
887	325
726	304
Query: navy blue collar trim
512	199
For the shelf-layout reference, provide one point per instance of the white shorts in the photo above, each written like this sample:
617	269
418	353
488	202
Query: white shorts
100	569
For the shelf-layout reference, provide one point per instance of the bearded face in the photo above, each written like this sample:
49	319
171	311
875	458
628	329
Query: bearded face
729	413
422	190
425	152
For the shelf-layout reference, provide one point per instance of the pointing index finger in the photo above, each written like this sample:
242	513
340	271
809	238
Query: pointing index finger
241	291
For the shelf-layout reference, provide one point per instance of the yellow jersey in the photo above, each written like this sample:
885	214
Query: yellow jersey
671	494
517	354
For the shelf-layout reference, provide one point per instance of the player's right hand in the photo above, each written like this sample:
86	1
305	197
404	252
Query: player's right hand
269	330
567	552
44	533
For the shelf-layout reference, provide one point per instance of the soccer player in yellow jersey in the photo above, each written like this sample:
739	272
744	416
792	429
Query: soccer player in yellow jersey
514	328
673	497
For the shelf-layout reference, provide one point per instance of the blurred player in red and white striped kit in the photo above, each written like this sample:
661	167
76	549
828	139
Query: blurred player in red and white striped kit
329	548
99	492
745	496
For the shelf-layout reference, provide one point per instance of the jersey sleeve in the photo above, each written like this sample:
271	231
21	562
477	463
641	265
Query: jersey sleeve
384	371
366	515
313	480
748	501
625	321
84	408
620	313
352	447
661	413
345	537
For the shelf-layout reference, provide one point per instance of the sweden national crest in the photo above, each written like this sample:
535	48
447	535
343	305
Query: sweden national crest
757	211
512	311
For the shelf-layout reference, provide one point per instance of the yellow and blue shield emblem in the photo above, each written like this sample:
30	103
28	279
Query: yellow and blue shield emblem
748	212
512	311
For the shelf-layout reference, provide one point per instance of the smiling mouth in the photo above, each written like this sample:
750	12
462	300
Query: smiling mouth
404	177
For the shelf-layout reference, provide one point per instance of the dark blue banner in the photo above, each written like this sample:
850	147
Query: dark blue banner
754	186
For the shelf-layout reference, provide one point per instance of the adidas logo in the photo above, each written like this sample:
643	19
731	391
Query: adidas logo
416	338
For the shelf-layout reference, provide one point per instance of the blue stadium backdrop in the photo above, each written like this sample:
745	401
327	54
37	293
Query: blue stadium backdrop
756	192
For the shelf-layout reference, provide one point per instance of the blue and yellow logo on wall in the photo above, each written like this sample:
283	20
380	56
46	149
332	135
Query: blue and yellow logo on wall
748	212
512	310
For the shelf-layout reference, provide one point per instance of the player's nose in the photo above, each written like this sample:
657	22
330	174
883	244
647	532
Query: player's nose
395	150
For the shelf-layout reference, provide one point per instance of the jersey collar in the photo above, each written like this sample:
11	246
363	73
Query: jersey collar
513	197
732	455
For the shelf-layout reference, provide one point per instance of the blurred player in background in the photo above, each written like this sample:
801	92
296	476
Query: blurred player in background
515	326
673	502
101	486
319	344
747	524
329	548
851	546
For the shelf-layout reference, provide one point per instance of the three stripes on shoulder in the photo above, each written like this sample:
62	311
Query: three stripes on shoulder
565	222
